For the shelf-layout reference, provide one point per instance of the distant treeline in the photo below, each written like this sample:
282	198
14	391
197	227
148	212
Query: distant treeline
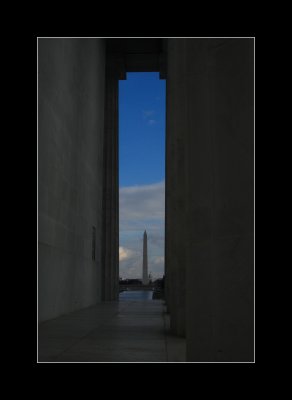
130	282
158	282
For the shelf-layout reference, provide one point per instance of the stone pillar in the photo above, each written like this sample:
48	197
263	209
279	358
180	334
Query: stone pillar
210	211
110	272
175	191
71	88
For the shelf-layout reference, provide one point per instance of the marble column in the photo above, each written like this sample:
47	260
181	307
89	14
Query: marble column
175	192
110	272
209	189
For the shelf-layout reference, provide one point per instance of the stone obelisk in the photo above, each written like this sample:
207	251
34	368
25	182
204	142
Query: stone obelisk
145	279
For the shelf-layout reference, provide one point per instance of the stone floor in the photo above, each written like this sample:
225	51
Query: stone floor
131	330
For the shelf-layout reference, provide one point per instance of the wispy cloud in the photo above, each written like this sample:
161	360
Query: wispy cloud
148	115
158	260
156	238
132	267
142	207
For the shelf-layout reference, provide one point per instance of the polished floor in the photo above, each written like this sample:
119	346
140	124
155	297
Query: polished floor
135	329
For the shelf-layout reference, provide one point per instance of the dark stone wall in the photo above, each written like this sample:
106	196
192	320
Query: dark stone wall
210	196
71	92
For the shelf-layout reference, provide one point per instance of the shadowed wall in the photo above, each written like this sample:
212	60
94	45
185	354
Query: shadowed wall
209	196
71	86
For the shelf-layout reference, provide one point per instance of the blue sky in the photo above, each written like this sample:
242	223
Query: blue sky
142	129
141	172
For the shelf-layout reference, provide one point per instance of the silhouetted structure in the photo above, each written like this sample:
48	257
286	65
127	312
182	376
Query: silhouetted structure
145	277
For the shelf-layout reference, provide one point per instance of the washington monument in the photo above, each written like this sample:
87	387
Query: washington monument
145	279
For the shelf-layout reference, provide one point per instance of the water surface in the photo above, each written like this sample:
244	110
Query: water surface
136	295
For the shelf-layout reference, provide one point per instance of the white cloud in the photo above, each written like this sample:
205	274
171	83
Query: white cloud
125	253
158	260
142	207
132	268
148	115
